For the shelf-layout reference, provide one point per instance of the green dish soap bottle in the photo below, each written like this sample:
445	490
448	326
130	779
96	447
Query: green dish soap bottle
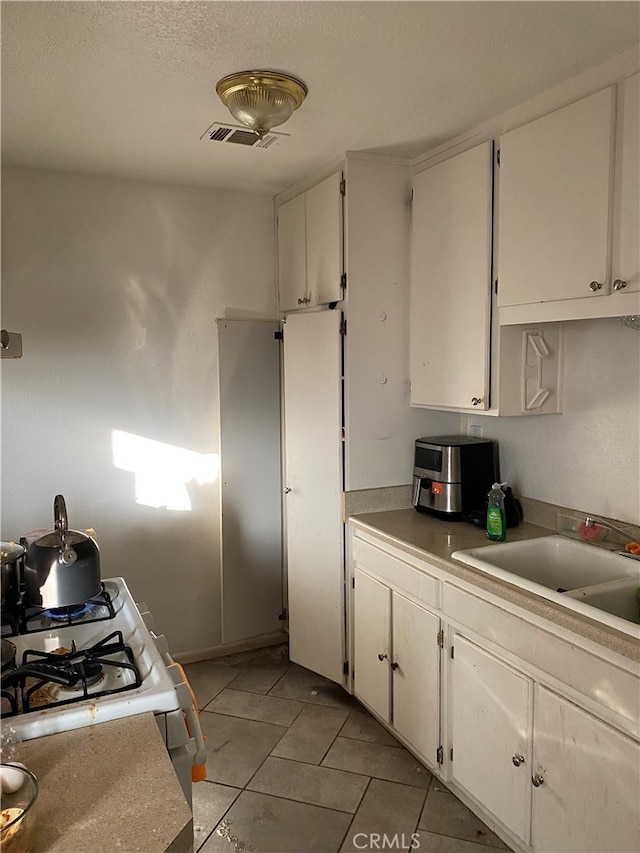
496	521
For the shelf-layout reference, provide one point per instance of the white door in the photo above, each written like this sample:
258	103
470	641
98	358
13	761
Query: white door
490	731
372	644
626	224
555	178
313	491
292	271
416	675
451	281
324	241
589	798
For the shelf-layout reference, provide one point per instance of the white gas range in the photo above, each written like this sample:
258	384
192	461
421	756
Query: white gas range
101	661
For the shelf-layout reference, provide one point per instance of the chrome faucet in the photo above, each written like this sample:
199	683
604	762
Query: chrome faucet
590	521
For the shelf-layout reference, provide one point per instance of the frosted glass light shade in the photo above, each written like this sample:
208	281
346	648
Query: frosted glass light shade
261	100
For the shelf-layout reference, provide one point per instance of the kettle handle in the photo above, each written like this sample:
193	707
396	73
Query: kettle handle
60	516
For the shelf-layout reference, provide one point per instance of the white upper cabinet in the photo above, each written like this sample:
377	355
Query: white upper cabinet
555	175
626	213
324	241
292	259
451	282
568	211
310	247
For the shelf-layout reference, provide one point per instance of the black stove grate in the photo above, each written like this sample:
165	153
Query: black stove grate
79	666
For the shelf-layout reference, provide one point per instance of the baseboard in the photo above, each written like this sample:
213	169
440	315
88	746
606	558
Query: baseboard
272	639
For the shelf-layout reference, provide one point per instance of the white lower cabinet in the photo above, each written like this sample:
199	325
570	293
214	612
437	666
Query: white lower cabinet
536	730
397	662
372	644
586	776
490	718
557	777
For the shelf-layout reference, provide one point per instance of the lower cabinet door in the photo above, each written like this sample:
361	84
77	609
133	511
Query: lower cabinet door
586	790
416	675
372	646
490	729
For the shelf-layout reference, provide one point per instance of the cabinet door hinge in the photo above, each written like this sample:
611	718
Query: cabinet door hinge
343	327
451	652
440	755
498	156
451	754
279	336
440	638
343	187
353	583
345	668
343	280
282	617
495	286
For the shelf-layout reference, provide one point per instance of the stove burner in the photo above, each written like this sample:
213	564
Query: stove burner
68	613
90	672
22	618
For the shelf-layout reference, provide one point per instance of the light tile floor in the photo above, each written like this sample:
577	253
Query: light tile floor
296	765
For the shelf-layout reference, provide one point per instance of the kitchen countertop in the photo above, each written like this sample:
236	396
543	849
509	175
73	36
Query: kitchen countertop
108	787
425	536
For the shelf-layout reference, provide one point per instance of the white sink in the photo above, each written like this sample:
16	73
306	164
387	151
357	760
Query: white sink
555	562
619	598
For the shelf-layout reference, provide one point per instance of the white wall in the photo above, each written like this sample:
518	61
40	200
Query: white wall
381	428
588	457
115	286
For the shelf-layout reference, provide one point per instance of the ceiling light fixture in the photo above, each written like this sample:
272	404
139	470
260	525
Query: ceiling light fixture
261	99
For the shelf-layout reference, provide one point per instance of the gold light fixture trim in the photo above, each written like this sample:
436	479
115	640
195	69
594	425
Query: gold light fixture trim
261	100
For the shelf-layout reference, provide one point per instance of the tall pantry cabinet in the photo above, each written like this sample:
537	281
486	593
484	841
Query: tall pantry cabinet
370	445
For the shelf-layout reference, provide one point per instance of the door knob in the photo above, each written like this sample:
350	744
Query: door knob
518	759
595	285
618	284
537	780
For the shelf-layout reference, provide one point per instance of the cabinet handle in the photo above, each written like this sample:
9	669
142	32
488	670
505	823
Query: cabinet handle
518	759
304	300
475	401
286	490
595	285
395	666
618	284
383	657
537	780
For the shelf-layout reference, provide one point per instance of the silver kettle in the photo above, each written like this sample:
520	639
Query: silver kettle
61	568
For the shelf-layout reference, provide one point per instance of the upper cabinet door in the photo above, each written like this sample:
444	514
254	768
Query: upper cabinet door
555	179
324	241
451	282
292	268
625	271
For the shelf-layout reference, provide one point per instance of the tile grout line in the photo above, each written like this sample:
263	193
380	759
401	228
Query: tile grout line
346	835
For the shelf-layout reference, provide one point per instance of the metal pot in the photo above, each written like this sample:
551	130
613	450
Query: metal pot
11	555
62	568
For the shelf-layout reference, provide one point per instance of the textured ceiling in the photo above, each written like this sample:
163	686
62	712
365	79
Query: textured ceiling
128	88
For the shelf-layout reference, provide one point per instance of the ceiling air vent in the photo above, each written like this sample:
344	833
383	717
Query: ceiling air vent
234	135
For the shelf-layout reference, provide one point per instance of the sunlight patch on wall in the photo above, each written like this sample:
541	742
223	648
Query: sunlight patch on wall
162	471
